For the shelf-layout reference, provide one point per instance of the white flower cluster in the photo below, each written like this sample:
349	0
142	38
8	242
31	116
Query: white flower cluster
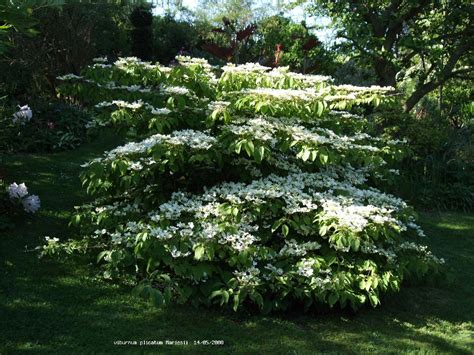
206	207
174	90
124	61
245	68
130	88
344	114
218	106
293	248
248	277
25	114
187	60
308	80
191	62
103	66
129	64
257	128
188	137
111	85
69	77
118	209
135	105
421	249
284	94
411	224
310	192
16	191
357	217
273	76
122	104
273	270
306	267
365	89
100	59
309	94
371	248
266	128
19	194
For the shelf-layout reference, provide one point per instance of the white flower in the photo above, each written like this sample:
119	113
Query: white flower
24	114
100	59
31	204
186	137
17	191
306	268
159	111
69	77
175	90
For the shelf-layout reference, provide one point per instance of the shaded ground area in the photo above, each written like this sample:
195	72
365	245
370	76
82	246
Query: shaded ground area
60	307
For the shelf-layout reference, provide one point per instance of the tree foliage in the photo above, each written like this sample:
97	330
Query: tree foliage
428	41
68	37
299	49
142	33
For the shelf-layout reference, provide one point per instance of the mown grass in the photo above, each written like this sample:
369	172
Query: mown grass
49	306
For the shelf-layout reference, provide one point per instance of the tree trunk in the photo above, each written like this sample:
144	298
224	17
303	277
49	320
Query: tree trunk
418	94
385	71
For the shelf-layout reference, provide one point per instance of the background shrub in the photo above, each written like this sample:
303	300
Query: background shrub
54	126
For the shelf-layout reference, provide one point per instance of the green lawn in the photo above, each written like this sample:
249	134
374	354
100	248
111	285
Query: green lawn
60	307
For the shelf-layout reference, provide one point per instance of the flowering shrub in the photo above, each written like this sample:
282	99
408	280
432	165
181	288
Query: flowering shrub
250	187
15	201
43	127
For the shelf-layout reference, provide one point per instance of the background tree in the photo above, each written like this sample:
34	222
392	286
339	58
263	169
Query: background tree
14	17
236	43
68	38
172	36
241	12
300	49
142	32
426	41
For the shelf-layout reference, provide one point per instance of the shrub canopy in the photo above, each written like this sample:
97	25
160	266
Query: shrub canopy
244	186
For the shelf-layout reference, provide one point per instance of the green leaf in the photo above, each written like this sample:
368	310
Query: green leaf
102	255
305	155
258	154
320	108
257	298
236	301
363	285
235	211
168	294
355	243
323	230
333	298
374	300
238	147
377	101
199	252
276	225
156	297
323	157
285	230
249	148
223	294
